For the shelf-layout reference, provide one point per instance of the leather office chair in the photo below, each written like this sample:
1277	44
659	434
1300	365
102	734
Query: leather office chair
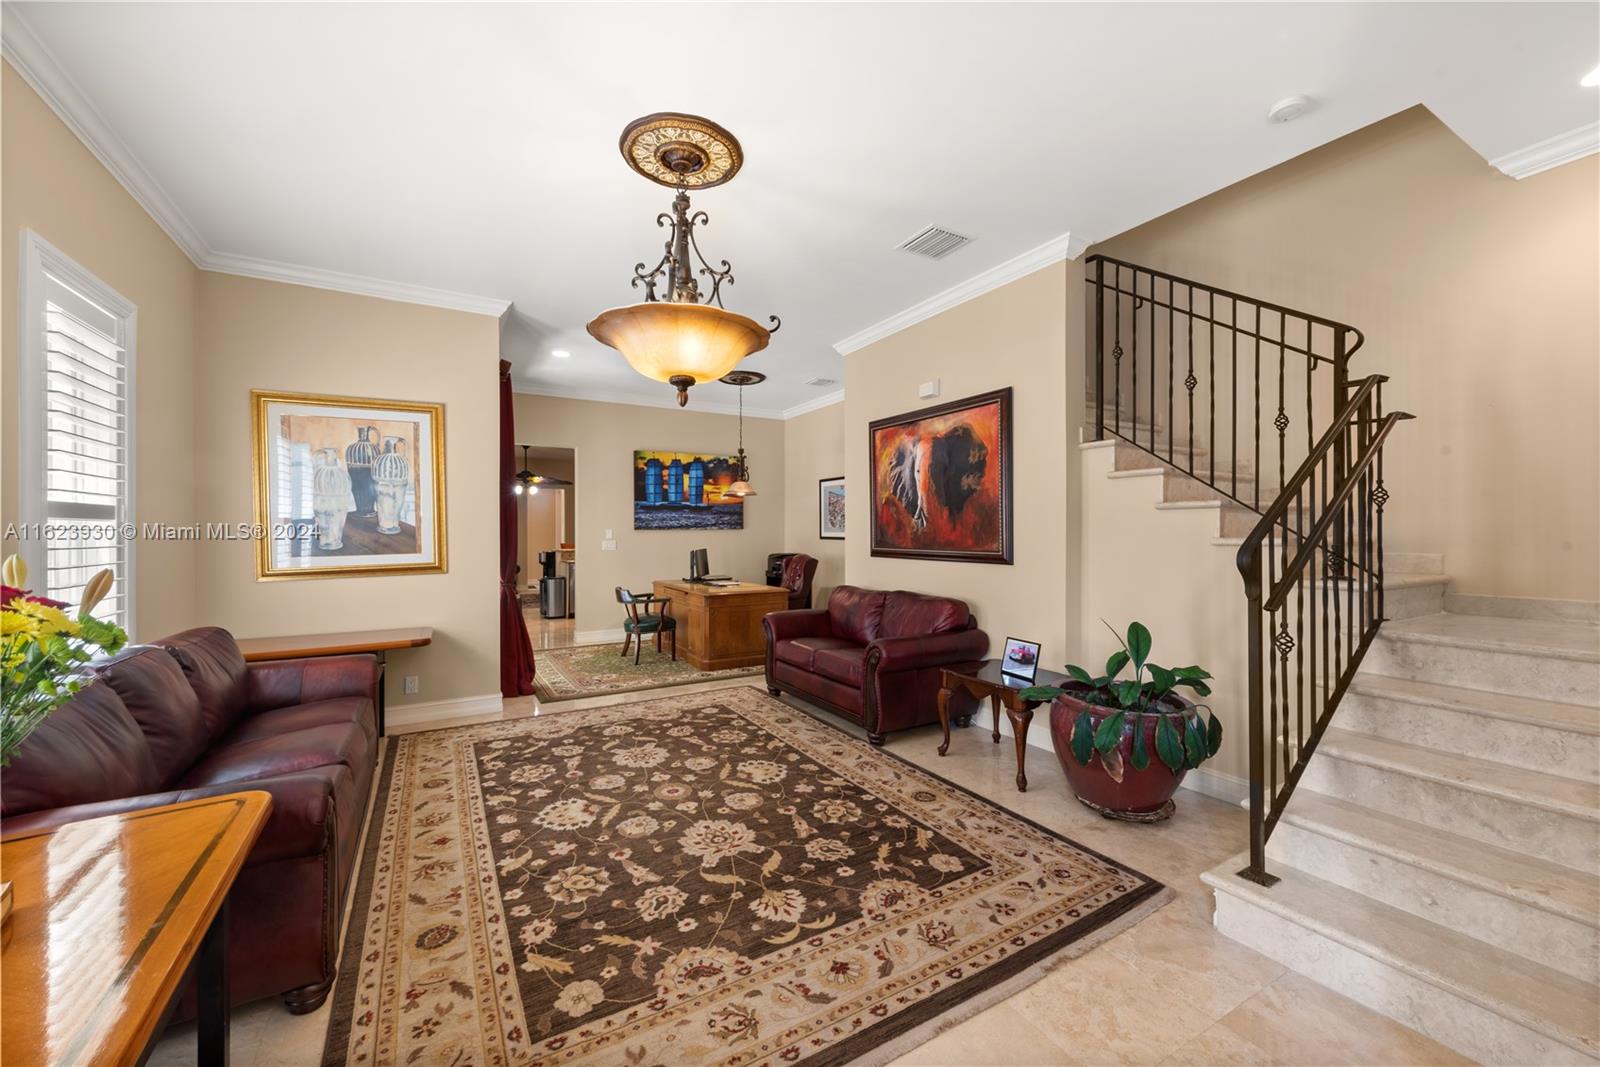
641	620
798	570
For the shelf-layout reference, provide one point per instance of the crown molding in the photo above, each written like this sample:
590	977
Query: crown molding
1551	152
670	400
827	400
30	58
1052	251
358	284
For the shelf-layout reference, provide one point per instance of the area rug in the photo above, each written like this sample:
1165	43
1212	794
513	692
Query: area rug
710	878
594	670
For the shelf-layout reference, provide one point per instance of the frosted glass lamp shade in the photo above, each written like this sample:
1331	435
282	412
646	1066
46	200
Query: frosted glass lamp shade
679	343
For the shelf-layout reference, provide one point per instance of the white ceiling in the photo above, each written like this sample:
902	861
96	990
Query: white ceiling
472	148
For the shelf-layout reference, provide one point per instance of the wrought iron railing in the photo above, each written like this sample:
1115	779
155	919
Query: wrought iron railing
1206	379
1313	577
1252	371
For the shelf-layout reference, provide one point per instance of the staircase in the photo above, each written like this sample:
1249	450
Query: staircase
1433	849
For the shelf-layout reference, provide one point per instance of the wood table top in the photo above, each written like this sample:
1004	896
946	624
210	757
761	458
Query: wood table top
108	915
293	646
705	589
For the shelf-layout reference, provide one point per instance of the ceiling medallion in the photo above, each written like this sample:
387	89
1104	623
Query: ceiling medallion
678	339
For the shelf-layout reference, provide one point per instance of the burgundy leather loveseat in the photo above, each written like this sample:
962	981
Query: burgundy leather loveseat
187	718
873	656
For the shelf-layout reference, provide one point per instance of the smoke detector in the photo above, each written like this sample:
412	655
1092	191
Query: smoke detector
1290	108
935	242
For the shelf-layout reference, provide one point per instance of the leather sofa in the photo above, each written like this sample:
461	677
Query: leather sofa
873	656
186	717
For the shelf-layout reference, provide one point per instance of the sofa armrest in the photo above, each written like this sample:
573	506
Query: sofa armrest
283	682
888	655
806	622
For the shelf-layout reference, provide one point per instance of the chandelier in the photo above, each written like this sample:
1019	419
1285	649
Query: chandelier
680	339
741	485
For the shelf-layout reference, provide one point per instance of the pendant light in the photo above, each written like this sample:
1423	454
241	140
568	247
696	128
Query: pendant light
680	340
741	486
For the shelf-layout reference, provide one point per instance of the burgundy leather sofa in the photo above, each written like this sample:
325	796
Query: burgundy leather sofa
874	656
187	718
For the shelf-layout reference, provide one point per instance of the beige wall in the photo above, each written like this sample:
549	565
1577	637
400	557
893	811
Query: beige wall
813	448
1015	335
603	437
1480	298
50	183
266	335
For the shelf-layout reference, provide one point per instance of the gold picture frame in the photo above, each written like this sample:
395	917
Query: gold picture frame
327	507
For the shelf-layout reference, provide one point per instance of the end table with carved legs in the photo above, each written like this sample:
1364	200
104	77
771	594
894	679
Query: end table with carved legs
1002	691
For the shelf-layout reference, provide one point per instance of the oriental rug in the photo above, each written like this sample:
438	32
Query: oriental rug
594	670
710	878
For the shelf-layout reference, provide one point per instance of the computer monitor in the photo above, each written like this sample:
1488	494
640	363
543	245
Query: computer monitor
699	564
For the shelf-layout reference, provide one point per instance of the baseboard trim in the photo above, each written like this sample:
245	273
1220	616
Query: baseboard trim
443	711
1217	785
594	637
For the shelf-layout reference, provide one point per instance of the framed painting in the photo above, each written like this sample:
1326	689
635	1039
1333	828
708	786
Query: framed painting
830	509
941	481
347	486
685	491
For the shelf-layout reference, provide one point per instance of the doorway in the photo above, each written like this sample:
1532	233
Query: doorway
546	555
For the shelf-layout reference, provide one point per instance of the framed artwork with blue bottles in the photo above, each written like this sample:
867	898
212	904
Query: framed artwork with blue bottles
347	486
685	491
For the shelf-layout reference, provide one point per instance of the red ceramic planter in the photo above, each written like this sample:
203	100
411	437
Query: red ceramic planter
1141	796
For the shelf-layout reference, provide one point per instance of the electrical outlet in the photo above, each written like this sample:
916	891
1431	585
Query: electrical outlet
608	546
411	685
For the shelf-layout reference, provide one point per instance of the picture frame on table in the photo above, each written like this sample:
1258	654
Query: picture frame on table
1020	659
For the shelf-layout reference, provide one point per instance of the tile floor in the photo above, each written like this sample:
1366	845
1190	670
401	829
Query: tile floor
1170	990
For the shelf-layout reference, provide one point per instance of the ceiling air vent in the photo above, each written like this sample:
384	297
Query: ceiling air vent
821	383
935	243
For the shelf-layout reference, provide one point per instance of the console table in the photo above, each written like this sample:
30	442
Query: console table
987	680
110	915
720	625
348	643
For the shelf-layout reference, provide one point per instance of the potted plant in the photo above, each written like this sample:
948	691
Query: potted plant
1126	743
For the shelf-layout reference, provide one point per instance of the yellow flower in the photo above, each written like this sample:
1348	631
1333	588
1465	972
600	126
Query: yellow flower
15	622
52	621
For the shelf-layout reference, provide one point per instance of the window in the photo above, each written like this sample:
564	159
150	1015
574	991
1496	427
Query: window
76	478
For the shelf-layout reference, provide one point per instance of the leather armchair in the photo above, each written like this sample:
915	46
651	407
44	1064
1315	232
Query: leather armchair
188	718
873	656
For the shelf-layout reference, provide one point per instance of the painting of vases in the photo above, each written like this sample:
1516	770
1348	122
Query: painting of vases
347	486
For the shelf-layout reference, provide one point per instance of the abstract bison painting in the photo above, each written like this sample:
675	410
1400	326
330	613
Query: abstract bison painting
941	481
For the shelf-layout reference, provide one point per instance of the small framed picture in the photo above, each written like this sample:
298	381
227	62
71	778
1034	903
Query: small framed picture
830	509
1021	659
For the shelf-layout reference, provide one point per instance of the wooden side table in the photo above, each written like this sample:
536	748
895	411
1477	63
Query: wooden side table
987	680
110	915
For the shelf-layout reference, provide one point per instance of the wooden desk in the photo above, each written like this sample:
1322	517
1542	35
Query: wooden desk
110	916
987	680
720	626
351	642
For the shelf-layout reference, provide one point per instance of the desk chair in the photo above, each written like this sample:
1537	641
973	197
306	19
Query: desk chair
639	622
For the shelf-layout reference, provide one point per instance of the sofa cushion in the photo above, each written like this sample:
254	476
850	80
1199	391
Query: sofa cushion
856	614
841	664
87	750
915	615
261	757
342	711
212	662
846	698
801	650
158	696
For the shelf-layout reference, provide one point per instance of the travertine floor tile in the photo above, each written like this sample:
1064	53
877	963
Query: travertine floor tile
999	1037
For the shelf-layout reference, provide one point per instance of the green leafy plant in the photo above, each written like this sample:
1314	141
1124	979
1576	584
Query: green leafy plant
1129	700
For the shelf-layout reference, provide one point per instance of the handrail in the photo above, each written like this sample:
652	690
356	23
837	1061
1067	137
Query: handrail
1340	485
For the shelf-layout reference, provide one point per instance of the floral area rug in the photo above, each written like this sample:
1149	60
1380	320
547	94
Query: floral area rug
711	878
593	670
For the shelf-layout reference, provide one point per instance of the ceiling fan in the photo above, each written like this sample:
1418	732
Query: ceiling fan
529	482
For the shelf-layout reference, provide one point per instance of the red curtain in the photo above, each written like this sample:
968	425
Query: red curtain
516	650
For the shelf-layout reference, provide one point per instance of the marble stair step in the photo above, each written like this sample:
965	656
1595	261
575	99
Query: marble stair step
1540	735
1490	1004
1535	909
1543	815
1537	658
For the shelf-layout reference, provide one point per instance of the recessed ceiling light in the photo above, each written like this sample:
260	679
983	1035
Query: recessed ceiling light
1289	108
1591	79
560	353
